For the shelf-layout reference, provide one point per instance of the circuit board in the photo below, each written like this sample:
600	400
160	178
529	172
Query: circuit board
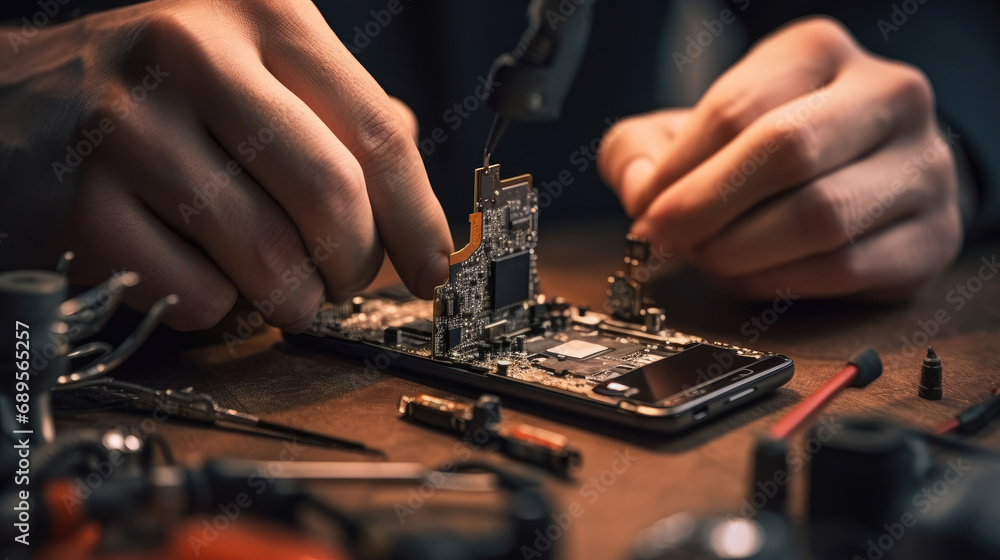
567	348
494	278
489	316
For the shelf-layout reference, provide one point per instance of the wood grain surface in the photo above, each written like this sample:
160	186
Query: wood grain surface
705	470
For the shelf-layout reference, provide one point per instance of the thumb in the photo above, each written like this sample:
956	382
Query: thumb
632	150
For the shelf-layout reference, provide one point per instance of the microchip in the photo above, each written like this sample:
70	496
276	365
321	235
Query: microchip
577	349
510	279
454	337
421	328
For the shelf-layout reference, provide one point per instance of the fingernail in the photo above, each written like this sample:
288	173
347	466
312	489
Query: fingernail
637	174
434	274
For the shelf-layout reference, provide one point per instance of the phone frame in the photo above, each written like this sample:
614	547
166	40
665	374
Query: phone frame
766	374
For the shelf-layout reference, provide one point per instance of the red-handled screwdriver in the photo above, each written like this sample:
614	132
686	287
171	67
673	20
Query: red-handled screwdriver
771	452
863	368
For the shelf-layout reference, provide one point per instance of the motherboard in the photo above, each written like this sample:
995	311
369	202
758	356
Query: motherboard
493	279
490	317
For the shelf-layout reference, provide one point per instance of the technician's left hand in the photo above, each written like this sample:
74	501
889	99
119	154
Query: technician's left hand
811	165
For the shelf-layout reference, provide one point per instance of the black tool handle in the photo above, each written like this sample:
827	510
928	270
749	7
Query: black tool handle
532	80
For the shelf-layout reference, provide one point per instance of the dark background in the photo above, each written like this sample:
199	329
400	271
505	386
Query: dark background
431	54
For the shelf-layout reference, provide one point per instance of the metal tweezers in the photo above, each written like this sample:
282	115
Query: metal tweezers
199	407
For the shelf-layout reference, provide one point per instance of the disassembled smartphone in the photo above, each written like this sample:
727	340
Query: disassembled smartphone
490	330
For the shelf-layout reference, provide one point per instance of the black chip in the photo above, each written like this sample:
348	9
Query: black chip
536	346
391	336
422	328
510	279
454	337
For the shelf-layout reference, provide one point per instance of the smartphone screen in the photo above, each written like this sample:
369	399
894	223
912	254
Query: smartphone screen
675	374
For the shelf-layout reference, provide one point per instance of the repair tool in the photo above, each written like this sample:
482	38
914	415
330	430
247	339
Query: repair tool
531	82
771	451
863	368
974	418
931	377
199	407
251	509
46	324
358	471
479	425
873	489
879	489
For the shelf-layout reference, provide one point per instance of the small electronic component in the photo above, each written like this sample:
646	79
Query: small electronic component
480	423
626	299
931	377
462	419
578	349
493	281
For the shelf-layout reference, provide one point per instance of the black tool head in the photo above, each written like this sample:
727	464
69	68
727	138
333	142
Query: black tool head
931	376
869	366
932	357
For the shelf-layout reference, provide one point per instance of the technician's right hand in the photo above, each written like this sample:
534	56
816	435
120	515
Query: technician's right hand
237	148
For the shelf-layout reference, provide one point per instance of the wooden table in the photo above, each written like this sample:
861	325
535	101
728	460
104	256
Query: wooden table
705	470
